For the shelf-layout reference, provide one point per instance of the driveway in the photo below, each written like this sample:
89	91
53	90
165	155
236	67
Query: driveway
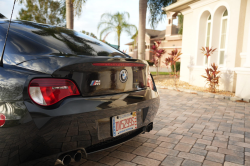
188	130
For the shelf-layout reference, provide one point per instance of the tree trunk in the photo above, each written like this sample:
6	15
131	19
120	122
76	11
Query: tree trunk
119	36
69	14
142	28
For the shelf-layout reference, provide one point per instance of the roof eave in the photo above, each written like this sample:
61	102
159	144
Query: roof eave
179	5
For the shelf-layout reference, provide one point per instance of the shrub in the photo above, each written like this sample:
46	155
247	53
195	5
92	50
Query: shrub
150	63
178	67
212	77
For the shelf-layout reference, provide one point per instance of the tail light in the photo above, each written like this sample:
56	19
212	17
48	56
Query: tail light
48	91
150	82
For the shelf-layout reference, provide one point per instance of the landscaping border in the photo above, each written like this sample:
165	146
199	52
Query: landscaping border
205	94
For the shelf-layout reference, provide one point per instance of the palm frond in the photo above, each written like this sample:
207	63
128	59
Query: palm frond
106	30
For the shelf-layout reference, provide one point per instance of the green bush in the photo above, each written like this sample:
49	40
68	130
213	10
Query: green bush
150	63
178	67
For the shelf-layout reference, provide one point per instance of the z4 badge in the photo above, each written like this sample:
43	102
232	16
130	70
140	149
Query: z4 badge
95	82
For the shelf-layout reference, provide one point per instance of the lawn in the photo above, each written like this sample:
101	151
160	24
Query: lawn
161	73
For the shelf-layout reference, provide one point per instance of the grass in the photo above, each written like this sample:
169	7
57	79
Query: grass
161	73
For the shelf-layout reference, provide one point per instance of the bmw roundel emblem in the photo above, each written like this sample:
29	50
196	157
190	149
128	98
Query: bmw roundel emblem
123	75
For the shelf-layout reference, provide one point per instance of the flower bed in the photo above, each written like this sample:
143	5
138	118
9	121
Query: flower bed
168	81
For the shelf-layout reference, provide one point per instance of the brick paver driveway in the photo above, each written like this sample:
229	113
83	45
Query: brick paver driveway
188	130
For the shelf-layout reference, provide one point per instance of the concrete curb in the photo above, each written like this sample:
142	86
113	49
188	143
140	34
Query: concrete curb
206	94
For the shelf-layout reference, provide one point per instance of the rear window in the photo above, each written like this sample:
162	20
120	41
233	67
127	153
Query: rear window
64	40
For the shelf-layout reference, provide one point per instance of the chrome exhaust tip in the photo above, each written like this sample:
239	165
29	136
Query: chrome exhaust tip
77	156
64	160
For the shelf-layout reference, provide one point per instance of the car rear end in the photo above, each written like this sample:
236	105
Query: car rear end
77	104
103	109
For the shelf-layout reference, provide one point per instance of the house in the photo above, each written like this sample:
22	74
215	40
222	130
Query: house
221	24
170	39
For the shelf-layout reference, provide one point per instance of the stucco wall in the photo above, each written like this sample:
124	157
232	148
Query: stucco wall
194	37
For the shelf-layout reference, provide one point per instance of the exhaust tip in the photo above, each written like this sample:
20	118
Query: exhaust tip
67	160
78	157
64	160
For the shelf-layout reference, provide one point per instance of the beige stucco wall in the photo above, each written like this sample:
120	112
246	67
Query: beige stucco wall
192	66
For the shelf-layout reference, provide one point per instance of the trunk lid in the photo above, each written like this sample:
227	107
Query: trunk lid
108	76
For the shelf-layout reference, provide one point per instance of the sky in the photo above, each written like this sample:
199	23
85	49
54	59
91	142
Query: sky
91	14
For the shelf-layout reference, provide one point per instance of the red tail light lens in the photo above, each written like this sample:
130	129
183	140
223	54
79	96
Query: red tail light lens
117	64
150	82
48	91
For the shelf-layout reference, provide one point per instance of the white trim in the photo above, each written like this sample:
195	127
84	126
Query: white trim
227	6
206	9
224	49
201	3
210	41
176	4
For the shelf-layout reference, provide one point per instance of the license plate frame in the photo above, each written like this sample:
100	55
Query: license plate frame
124	123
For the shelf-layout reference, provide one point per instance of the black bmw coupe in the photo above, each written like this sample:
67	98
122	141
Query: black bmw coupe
64	95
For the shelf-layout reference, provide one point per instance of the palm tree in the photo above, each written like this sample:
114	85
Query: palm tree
155	9
142	28
156	15
116	23
73	7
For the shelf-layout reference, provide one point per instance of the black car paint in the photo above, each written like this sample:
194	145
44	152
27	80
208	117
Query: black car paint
36	135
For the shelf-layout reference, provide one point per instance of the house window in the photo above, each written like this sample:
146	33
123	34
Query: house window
223	37
208	32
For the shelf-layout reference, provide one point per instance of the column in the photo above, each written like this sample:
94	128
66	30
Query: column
247	64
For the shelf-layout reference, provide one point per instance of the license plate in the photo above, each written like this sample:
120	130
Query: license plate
124	123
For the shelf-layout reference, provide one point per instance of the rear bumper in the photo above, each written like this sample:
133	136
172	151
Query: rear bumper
79	123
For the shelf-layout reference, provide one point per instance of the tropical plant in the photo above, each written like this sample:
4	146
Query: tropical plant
178	67
142	28
207	51
156	13
117	23
46	12
212	77
157	54
173	59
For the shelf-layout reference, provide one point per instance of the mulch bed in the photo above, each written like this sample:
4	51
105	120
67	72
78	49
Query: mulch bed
168	81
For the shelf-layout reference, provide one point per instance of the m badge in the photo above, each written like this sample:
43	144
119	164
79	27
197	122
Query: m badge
95	82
